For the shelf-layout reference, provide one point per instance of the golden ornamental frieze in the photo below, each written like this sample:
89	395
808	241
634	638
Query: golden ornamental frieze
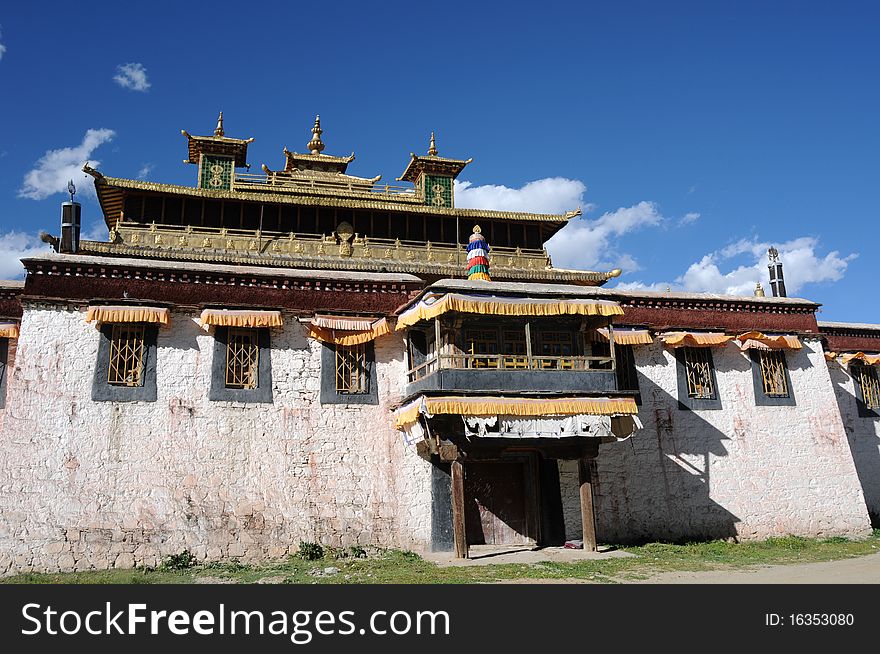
343	250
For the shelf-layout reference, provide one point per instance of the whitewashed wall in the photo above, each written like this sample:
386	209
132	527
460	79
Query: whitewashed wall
744	471
864	437
88	484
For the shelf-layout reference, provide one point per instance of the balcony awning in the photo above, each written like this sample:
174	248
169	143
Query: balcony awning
760	341
347	330
695	339
861	357
513	406
8	330
127	313
628	336
240	318
436	304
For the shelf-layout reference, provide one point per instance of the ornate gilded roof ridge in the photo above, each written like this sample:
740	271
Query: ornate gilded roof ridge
216	139
306	200
320	157
335	175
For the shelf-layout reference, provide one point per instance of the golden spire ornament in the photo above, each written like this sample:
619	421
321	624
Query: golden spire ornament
218	131
432	149
316	144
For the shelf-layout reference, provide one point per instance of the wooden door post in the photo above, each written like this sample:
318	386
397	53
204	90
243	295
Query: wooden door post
458	526
588	518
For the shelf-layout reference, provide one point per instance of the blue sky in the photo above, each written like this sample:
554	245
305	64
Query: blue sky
693	134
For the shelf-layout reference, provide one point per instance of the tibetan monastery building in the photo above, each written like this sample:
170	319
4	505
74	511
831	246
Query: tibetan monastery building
303	354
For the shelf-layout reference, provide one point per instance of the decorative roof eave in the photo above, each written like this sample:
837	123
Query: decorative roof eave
100	248
105	185
432	164
849	328
234	147
708	301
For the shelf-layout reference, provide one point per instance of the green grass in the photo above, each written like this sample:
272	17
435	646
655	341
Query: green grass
393	566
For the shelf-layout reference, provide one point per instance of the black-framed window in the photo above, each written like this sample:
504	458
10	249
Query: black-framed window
625	368
696	379
770	378
866	382
348	374
241	370
4	370
125	370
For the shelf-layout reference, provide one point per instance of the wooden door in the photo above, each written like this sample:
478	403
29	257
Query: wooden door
499	503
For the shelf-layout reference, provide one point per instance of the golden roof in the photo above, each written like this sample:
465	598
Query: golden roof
110	191
432	164
218	143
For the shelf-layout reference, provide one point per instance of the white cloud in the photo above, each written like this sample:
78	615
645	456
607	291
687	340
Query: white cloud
802	264
717	272
15	246
51	172
145	170
591	244
2	47
132	76
689	218
583	243
550	195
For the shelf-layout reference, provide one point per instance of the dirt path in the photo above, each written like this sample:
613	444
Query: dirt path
860	570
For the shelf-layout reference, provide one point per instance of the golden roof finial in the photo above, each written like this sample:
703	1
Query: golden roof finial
759	290
218	131
316	144
432	149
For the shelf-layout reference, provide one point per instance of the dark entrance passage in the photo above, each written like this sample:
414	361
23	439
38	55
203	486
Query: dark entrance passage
501	502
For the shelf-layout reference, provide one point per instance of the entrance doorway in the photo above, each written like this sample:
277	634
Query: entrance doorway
501	502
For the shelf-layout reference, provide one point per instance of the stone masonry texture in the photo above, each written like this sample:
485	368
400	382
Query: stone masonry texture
88	484
744	472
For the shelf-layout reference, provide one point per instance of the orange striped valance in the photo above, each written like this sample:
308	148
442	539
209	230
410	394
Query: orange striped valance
127	313
8	330
514	406
436	304
861	357
761	341
240	318
367	331
628	336
695	339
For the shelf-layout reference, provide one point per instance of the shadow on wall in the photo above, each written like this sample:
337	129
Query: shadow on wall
657	485
863	438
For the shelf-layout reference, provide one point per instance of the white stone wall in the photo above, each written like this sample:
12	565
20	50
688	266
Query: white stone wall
744	471
99	484
864	438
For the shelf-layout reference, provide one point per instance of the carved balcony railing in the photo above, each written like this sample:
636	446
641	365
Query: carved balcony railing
489	362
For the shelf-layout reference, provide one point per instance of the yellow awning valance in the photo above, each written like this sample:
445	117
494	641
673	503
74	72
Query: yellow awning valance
240	318
695	339
760	341
434	304
8	330
514	406
345	323
339	336
867	359
628	336
125	313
